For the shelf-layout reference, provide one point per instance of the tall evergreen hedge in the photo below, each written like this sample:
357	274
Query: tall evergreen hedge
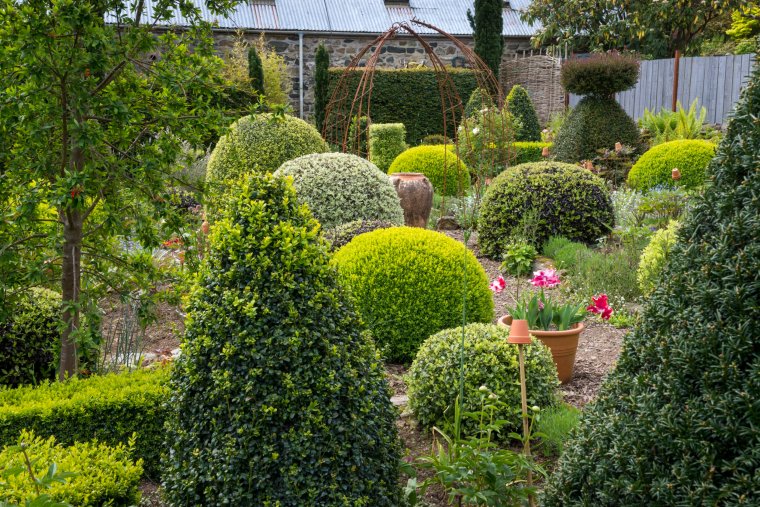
678	421
278	398
420	112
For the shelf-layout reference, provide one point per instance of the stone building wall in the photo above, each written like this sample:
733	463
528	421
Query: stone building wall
397	53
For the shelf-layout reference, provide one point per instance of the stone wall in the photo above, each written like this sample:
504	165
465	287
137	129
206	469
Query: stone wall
397	53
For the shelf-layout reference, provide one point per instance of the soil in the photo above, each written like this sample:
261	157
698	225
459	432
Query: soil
598	350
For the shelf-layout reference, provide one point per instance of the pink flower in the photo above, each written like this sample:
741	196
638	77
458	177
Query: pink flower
548	278
498	285
600	306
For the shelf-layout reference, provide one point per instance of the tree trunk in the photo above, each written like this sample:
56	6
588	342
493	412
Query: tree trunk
70	281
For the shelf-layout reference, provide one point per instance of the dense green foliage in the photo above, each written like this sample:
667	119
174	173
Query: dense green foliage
321	85
568	201
110	408
676	421
386	142
655	167
278	397
601	75
341	188
445	170
487	23
670	125
358	136
654	257
485	139
255	70
30	338
479	99
433	379
524	152
408	285
421	113
521	108
555	425
99	475
343	234
595	123
261	143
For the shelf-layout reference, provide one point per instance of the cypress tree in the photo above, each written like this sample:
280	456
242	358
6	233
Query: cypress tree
278	397
321	85
521	107
255	70
678	420
487	25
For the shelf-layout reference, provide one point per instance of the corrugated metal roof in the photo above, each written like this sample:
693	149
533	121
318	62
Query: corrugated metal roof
346	16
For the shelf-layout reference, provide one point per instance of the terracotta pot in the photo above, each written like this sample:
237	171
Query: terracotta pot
416	194
563	345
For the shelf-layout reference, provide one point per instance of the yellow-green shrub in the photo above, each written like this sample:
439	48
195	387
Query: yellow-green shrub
102	475
527	151
408	284
654	256
655	167
445	170
110	408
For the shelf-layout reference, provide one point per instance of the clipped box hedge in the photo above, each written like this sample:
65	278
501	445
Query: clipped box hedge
421	111
109	408
523	152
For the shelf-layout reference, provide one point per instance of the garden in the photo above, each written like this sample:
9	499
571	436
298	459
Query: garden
206	300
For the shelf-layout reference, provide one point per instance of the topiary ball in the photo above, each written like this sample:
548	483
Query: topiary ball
595	123
654	255
343	234
445	170
408	285
562	200
341	188
30	338
521	108
262	143
433	379
655	167
601	75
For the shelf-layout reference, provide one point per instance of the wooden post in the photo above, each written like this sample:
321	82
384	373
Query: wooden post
526	424
675	79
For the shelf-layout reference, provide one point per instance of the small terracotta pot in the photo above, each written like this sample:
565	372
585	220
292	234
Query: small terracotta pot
416	194
675	174
545	151
563	345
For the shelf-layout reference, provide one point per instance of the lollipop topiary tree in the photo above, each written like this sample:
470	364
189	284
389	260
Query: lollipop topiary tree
597	121
676	422
278	397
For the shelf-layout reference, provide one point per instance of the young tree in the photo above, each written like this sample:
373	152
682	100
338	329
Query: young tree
321	85
487	24
657	28
91	126
255	70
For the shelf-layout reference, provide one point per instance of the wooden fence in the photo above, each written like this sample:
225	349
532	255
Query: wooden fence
715	80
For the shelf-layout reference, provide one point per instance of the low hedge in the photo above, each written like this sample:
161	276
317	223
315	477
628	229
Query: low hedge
109	408
445	170
341	188
421	113
655	255
433	378
408	282
565	199
101	475
655	167
527	151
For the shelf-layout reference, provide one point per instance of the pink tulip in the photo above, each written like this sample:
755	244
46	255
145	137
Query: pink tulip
600	306
498	285
548	278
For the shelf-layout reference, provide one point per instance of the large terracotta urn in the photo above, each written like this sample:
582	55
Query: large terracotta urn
416	194
562	344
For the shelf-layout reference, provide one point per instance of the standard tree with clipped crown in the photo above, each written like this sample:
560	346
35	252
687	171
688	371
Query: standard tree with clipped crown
278	397
521	107
677	421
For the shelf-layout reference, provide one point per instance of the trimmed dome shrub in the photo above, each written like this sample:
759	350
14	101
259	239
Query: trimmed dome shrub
343	234
433	379
521	108
341	188
408	285
262	143
445	170
653	257
595	123
568	201
278	397
655	167
29	339
524	152
601	75
676	421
